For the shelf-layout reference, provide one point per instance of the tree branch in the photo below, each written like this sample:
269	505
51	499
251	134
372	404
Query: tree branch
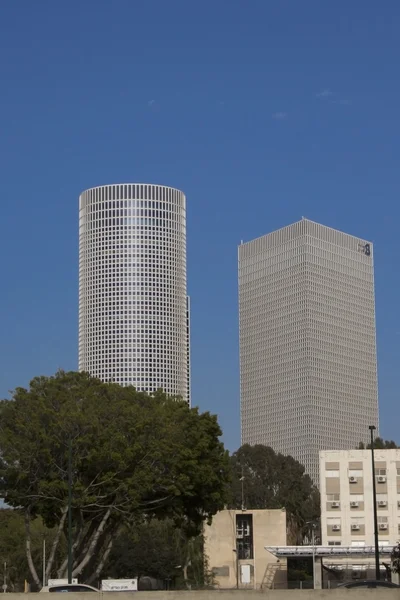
78	540
28	547
92	545
56	541
102	562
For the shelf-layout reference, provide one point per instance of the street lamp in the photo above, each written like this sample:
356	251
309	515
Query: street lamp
69	510
377	569
313	527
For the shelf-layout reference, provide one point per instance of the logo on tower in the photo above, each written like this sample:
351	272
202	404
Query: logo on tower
365	249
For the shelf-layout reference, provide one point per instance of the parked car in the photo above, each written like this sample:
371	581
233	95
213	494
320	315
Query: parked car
69	587
369	583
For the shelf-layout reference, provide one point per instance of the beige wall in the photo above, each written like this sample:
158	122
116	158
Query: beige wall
269	529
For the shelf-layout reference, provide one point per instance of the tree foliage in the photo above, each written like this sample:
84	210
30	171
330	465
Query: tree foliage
160	550
395	558
379	444
12	547
262	478
134	456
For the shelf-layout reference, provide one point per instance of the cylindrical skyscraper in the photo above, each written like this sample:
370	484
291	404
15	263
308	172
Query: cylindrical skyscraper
133	305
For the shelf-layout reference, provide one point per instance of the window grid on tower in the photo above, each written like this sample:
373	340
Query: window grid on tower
308	370
133	317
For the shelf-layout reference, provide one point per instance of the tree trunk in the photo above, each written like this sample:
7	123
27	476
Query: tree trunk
28	547
102	562
101	545
186	565
84	542
55	542
93	544
62	571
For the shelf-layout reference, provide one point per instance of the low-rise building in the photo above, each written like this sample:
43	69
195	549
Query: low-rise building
234	546
346	486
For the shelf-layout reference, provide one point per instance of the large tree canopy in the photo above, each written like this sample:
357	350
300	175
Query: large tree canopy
262	478
134	457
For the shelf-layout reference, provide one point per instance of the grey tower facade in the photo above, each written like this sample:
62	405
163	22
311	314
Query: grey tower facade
134	317
308	368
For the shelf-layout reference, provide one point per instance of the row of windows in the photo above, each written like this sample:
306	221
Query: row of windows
131	191
138	204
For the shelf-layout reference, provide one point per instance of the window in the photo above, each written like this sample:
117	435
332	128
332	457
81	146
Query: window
382	519
333	497
244	536
334	543
355	473
332	474
357	544
71	588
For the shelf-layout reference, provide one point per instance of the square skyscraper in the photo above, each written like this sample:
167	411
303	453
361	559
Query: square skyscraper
308	368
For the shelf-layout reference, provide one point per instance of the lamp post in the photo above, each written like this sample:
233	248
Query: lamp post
377	569
44	562
313	527
70	510
313	555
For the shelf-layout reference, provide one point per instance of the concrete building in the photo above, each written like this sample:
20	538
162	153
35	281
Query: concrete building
347	517
308	371
133	305
234	546
347	497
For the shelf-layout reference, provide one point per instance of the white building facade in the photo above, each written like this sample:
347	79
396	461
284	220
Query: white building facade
134	321
308	370
346	486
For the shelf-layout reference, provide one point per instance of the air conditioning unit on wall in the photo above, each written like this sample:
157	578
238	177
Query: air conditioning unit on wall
353	479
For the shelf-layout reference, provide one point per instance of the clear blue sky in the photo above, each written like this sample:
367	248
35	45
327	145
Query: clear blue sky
261	111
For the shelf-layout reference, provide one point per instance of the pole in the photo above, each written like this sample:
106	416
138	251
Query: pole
377	569
242	482
5	578
313	556
70	510
44	562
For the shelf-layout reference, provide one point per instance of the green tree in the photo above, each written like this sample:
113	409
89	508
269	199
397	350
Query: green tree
262	478
161	550
395	559
379	444
12	546
133	456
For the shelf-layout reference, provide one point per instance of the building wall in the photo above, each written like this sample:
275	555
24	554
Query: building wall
269	528
308	372
346	478
133	308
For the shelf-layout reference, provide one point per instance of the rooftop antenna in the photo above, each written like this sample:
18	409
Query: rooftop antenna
242	482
